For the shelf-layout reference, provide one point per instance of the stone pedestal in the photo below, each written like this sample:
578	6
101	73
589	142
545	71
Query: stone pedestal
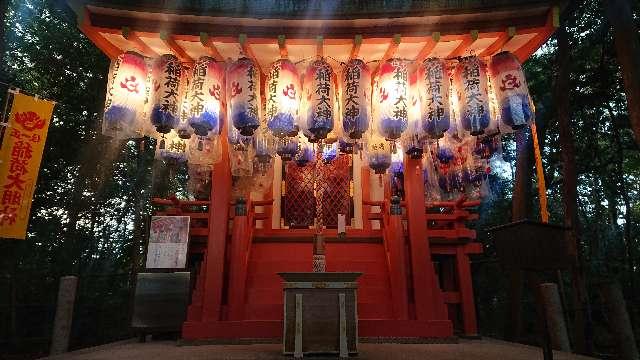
320	313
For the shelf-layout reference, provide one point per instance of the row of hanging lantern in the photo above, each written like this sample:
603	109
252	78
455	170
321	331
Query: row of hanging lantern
413	109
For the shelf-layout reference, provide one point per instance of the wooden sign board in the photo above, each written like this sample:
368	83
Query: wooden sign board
168	242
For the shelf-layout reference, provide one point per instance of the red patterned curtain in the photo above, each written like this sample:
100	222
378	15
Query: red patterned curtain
334	180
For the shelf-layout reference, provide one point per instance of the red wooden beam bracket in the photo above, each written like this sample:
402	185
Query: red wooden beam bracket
428	47
101	42
175	48
462	48
497	45
391	51
553	22
355	49
132	37
282	45
207	42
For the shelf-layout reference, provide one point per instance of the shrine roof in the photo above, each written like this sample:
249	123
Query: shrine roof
267	30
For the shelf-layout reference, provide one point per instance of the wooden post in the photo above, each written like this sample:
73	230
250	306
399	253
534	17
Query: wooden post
64	315
397	259
217	240
366	196
467	304
556	326
429	303
616	310
238	261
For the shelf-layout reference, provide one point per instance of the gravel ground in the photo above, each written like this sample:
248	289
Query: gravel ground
488	349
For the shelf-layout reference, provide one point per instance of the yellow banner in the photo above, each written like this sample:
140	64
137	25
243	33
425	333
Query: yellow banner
20	156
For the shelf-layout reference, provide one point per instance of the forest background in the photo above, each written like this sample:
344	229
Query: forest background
92	191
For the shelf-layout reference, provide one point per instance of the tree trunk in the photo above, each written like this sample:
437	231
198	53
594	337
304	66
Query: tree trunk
618	318
628	53
569	188
521	202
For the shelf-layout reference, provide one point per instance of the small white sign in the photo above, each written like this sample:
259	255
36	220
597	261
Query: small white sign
342	227
168	242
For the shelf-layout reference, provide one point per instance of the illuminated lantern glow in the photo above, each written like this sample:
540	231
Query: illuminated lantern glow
434	87
319	89
199	182
241	161
512	93
165	94
174	151
305	152
283	98
412	138
204	150
183	129
329	152
378	154
126	96
391	99
263	145
243	96
470	81
430	175
356	90
206	96
287	148
397	162
237	141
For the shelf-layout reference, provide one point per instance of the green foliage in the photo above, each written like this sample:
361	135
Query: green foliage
92	192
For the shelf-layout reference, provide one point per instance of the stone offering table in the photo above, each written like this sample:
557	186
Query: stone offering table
320	313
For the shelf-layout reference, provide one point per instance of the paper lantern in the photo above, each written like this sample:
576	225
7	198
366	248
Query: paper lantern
329	152
283	98
175	149
237	141
204	150
430	176
199	182
126	95
206	96
397	162
243	96
263	145
319	93
306	153
391	99
166	93
241	161
470	81
184	130
356	92
434	84
287	148
378	153
412	137
512	93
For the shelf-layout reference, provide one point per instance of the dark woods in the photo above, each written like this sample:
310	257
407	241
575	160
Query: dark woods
92	193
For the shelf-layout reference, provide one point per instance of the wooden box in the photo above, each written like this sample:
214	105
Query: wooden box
320	313
530	245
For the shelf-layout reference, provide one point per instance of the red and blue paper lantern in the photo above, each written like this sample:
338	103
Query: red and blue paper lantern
512	93
243	96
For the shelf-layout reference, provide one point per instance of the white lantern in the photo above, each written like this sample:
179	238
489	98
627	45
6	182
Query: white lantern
175	149
470	81
511	90
165	94
206	96
283	98
319	93
434	86
126	95
243	96
356	100
412	138
391	99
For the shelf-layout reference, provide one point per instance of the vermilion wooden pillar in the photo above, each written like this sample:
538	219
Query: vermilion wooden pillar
397	261
238	258
218	223
429	302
